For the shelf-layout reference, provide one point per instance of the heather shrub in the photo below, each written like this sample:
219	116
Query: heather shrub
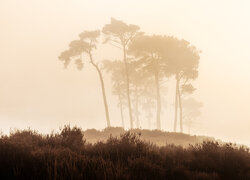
66	155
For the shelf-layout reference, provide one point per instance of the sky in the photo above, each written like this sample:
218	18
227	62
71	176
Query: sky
37	92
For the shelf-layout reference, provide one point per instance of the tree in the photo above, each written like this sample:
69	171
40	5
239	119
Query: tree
183	61
140	81
184	89
191	111
86	45
149	50
148	100
117	70
120	34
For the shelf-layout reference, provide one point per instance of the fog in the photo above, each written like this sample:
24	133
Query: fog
37	91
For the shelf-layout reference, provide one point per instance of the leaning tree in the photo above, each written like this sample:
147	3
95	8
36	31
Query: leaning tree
85	45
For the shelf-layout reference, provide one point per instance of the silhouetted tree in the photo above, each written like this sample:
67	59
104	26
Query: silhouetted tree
191	111
139	82
120	35
183	60
149	49
85	45
184	89
148	102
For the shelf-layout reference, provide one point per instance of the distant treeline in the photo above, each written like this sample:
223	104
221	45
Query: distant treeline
66	155
140	76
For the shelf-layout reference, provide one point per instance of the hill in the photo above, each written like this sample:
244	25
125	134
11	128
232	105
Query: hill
157	137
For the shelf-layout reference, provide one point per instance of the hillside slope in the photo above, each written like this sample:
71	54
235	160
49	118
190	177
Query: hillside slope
159	138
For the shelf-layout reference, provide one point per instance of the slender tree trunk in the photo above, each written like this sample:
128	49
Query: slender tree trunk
103	91
136	108
104	99
121	110
127	87
176	102
158	96
180	110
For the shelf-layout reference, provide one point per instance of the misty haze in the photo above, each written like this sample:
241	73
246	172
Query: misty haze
124	89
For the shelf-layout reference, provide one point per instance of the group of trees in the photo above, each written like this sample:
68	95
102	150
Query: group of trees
138	79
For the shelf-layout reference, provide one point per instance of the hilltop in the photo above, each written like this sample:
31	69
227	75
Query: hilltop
157	137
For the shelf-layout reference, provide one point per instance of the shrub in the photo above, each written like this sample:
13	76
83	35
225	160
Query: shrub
65	155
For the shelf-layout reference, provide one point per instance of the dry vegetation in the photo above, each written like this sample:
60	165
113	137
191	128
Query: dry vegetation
66	155
156	137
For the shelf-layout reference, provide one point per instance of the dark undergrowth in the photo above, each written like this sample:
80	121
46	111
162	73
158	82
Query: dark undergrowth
66	155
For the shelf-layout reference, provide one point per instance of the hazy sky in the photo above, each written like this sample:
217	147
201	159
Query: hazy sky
36	91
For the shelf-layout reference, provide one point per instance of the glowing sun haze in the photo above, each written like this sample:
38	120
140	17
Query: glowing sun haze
37	92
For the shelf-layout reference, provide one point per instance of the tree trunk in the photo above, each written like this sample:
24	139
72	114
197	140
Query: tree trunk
180	110
158	96
127	87
121	110
176	102
103	91
136	108
104	98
